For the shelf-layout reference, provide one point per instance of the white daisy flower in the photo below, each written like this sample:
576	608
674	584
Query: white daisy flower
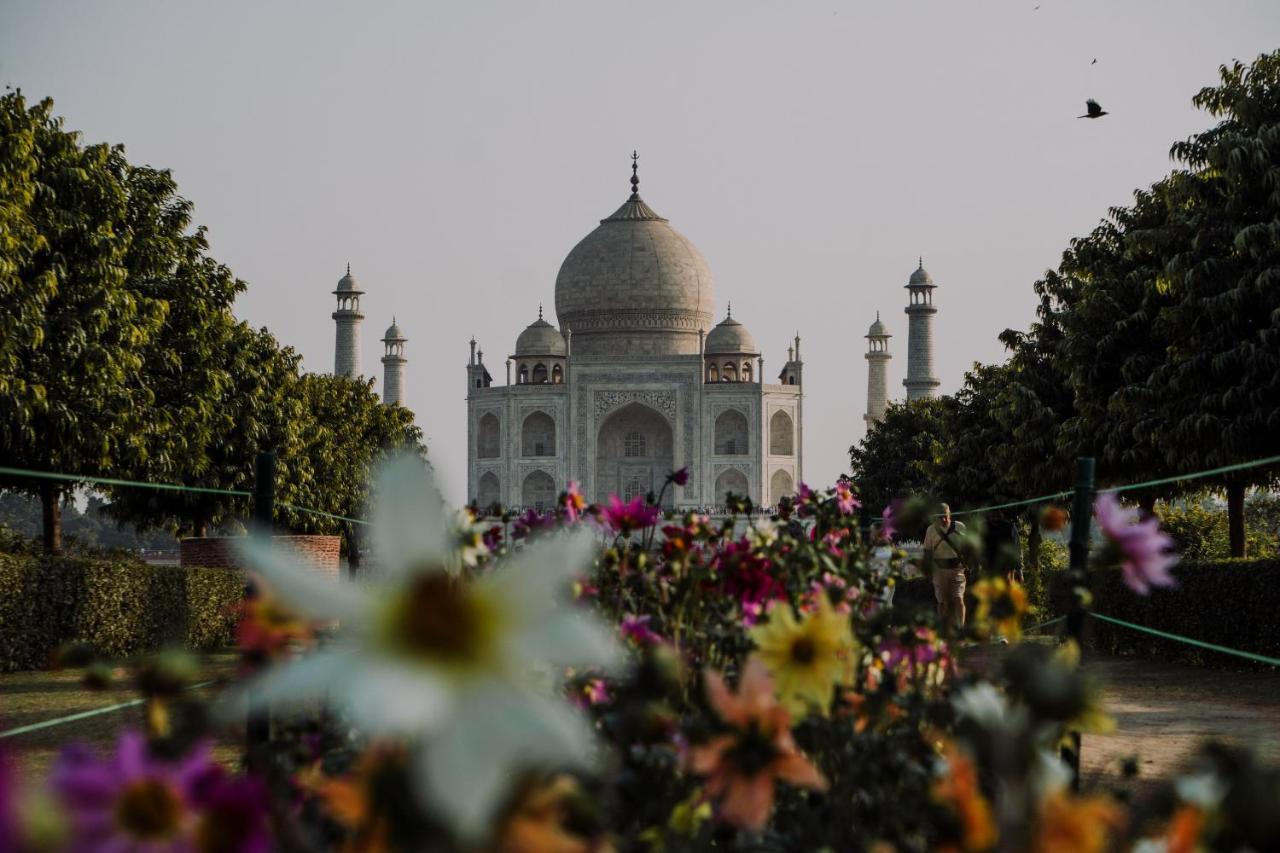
466	668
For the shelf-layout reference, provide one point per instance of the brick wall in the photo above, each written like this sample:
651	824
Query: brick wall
318	552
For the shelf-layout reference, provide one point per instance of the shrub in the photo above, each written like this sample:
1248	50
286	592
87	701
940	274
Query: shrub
1233	603
119	607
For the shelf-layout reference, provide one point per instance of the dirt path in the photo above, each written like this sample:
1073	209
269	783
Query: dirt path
1164	711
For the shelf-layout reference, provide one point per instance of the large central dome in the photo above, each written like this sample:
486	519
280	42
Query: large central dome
634	286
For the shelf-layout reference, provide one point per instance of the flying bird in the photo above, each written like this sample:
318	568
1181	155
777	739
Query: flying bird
1095	110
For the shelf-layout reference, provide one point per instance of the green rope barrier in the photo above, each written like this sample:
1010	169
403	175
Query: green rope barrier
1212	472
1043	625
111	481
173	487
1053	497
321	513
1202	644
83	715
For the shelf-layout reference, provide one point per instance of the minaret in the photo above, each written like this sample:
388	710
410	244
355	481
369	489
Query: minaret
393	363
920	382
346	356
877	365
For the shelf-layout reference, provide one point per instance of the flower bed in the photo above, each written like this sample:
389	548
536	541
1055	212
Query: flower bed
118	607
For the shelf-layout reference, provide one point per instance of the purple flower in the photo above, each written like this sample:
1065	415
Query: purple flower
1144	548
625	517
132	801
10	823
636	629
887	531
681	477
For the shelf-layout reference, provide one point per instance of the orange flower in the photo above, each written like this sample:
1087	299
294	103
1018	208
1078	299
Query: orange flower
1184	830
1053	518
959	791
538	823
1076	824
742	766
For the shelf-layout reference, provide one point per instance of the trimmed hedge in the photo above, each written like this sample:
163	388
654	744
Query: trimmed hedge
1233	603
118	607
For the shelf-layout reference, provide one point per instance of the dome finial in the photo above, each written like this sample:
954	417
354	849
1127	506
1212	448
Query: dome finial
728	314
877	316
635	176
539	310
921	266
348	267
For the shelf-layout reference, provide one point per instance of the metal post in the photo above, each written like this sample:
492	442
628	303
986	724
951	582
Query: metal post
258	724
1078	579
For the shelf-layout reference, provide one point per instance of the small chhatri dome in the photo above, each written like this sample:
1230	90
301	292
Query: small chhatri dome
541	338
877	329
730	337
920	276
347	284
394	333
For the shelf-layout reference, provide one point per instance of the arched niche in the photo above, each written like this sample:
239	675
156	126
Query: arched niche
489	437
729	482
538	435
781	486
731	433
489	491
781	435
635	450
538	491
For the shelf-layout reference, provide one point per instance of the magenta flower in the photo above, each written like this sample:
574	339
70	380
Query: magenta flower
625	517
132	801
681	477
636	628
1144	548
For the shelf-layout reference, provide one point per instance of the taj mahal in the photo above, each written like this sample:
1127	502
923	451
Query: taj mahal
636	380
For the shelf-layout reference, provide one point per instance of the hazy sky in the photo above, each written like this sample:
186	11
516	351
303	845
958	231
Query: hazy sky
455	152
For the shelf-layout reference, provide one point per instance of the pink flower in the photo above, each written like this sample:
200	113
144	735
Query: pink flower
596	692
626	517
636	629
1143	546
846	500
573	501
132	801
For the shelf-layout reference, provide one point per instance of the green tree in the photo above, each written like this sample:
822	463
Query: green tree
900	456
76	333
1216	396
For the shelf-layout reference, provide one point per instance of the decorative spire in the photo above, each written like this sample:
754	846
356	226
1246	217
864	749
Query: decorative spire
877	316
348	267
635	177
728	314
921	266
539	310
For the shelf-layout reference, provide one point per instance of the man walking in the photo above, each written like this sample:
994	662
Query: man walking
941	542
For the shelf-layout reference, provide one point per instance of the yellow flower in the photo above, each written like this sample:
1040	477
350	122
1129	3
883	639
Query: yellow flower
808	657
1091	718
1076	824
1001	604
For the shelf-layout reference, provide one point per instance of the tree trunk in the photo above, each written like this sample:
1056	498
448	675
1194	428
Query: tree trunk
1235	517
51	517
1033	542
353	552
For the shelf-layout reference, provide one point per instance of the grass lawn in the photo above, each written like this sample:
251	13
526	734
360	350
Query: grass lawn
32	697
